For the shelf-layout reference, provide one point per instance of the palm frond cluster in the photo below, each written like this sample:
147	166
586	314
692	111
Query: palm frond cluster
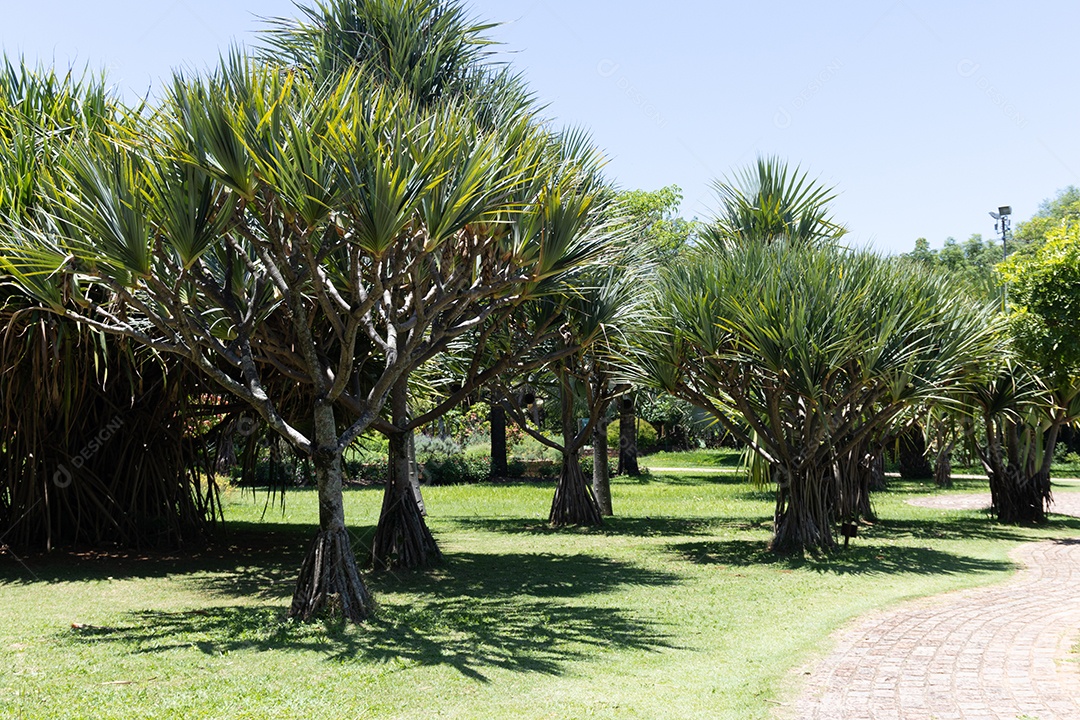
98	438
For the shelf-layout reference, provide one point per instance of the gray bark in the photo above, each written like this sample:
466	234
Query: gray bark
329	579
628	449
601	483
402	538
499	464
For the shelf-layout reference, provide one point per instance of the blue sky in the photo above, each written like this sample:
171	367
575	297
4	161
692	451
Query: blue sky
925	115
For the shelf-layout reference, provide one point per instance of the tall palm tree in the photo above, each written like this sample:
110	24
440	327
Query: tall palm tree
432	49
435	53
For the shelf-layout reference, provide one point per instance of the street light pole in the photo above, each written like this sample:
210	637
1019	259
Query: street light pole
1001	218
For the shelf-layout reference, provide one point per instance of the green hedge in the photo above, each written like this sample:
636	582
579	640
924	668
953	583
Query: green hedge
646	436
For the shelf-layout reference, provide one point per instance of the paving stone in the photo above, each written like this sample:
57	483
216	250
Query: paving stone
993	653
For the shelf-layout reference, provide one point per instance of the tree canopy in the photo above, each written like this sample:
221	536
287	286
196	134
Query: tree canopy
305	242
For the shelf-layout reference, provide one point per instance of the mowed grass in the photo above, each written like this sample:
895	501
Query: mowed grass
675	609
713	458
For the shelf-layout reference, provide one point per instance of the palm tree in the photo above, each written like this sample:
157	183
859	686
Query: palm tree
1010	412
280	233
598	320
432	51
78	411
768	202
805	352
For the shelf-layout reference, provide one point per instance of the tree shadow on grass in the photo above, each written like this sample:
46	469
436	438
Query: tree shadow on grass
975	527
614	526
513	612
510	575
470	635
246	559
854	560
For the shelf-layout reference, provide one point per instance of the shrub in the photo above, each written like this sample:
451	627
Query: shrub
586	461
456	470
531	450
430	448
646	436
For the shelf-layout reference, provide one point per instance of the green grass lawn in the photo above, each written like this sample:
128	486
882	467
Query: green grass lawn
731	460
675	609
720	458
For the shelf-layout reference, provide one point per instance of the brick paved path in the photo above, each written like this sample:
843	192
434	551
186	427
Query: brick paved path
1065	503
995	653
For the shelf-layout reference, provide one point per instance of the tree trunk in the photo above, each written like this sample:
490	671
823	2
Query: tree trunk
878	482
574	503
1018	497
499	464
802	521
601	483
1020	491
873	480
225	459
852	479
628	449
912	460
414	471
943	466
402	538
329	579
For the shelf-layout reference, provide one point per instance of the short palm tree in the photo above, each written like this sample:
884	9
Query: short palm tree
78	411
804	352
598	322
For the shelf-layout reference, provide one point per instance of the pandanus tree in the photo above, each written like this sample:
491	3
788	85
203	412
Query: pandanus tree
559	213
283	234
769	201
432	50
803	352
598	320
76	412
1010	412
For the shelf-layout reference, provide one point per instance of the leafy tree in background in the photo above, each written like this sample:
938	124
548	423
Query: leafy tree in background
1044	290
974	261
971	262
655	225
653	216
1062	209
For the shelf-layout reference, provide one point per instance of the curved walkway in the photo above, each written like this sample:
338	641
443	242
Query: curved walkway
994	653
1065	503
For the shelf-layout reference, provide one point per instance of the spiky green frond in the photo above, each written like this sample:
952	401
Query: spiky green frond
769	201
